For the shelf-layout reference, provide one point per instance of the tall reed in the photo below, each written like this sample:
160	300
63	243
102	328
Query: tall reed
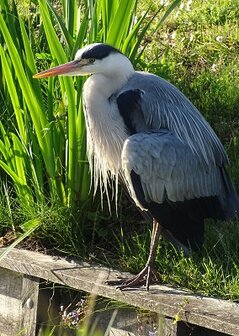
42	127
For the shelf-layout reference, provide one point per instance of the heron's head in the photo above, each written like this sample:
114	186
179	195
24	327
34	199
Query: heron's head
97	58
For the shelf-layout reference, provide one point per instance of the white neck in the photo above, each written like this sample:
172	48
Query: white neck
106	131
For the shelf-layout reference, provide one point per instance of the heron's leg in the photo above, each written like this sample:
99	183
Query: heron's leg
145	276
156	232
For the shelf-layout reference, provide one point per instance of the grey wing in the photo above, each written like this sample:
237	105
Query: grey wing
169	170
148	102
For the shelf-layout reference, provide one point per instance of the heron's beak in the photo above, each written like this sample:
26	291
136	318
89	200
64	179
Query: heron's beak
67	69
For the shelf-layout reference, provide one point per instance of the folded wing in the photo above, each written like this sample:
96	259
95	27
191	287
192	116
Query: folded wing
166	178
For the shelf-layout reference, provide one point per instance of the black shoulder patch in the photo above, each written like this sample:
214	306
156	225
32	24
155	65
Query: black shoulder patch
99	51
129	104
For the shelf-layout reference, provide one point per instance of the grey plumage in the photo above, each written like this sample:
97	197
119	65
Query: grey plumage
169	169
187	153
143	131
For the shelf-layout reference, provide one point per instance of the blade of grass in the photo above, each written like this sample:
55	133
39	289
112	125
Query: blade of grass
31	225
71	16
65	32
169	10
82	32
29	59
37	115
14	95
24	191
67	86
118	27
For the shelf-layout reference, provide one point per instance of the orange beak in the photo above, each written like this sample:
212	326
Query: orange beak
67	69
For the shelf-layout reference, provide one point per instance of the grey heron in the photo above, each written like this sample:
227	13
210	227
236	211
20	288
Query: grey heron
143	132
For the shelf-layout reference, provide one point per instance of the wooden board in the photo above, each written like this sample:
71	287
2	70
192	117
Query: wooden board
219	315
18	303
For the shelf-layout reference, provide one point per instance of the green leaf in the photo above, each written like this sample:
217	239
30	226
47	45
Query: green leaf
119	25
14	95
37	114
65	32
31	65
169	10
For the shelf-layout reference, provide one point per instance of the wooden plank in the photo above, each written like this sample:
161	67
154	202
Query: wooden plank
18	303
29	300
10	304
219	315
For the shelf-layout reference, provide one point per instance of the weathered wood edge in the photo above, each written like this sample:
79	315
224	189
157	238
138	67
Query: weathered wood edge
219	315
18	303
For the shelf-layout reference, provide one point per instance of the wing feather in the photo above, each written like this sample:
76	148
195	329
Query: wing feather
162	105
168	168
172	149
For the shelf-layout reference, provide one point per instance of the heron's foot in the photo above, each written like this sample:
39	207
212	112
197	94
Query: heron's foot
147	276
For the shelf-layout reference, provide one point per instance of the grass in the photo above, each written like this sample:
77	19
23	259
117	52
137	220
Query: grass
213	272
197	50
43	141
199	54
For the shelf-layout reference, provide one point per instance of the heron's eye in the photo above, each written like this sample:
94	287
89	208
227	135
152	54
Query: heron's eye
91	60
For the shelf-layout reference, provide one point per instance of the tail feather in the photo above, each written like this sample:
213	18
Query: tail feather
185	219
187	230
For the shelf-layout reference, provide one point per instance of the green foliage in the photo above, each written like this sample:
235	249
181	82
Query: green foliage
43	146
43	149
212	272
42	128
42	142
198	52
